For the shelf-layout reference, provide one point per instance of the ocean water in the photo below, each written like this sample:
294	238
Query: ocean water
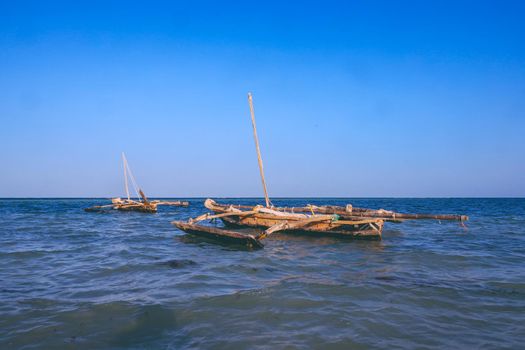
76	280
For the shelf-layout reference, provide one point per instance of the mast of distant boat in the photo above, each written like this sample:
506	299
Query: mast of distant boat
127	172
259	159
125	166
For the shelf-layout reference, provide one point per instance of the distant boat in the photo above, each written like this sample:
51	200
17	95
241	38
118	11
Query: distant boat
141	204
317	220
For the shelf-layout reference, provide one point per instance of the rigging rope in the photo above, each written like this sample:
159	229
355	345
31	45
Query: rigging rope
135	186
127	171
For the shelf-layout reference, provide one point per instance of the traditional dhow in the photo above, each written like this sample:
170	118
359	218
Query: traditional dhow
310	219
335	221
142	204
315	220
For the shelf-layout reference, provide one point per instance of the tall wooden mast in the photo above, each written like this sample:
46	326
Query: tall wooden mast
261	170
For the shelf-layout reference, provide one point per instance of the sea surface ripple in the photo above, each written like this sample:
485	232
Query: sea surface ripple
76	280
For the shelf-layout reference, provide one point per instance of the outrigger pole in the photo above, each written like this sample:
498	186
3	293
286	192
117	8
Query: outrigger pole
261	170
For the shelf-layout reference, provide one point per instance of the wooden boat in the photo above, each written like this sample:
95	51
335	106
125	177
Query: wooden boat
307	220
143	204
315	220
335	221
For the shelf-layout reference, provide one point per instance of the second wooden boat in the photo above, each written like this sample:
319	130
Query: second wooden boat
141	204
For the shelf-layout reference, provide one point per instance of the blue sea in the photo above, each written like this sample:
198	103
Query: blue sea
76	280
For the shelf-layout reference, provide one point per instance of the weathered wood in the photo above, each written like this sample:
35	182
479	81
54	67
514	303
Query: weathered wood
140	207
357	212
209	216
260	217
219	234
172	203
143	196
299	224
132	205
384	214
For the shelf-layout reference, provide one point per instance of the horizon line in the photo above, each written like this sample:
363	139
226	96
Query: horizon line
287	197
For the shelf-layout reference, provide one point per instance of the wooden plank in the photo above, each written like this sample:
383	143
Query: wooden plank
219	234
356	212
171	203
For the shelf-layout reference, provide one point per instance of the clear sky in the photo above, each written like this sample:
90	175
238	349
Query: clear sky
364	98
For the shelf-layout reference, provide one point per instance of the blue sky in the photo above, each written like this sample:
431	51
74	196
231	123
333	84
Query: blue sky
365	98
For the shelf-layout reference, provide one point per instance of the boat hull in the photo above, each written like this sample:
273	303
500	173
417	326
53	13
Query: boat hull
138	208
361	229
